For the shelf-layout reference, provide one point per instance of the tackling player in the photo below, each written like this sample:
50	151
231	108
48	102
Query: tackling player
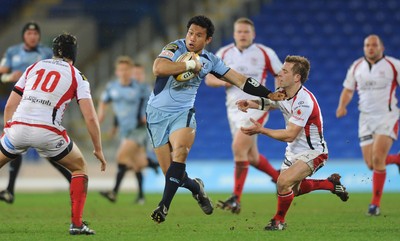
33	117
306	149
170	111
375	77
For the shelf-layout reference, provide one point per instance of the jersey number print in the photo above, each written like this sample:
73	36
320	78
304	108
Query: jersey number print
52	76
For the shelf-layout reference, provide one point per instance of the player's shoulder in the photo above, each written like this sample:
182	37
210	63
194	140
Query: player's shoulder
226	47
15	48
392	59
263	47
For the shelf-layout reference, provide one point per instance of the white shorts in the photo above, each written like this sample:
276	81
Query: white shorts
314	159
49	141
239	118
386	124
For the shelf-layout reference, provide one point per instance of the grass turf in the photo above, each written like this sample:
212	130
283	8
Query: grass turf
317	216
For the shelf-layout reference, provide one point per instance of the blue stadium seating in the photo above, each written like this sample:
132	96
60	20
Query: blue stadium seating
330	34
112	17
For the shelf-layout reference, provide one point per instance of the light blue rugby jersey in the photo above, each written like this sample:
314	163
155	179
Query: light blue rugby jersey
170	95
128	102
18	58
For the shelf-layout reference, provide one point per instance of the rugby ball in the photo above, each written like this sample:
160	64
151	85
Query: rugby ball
185	76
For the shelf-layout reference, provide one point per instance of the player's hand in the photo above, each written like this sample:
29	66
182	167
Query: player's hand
227	85
340	112
243	105
198	63
100	156
251	130
277	96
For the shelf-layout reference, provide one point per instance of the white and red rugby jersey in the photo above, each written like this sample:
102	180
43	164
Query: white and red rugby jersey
47	87
253	62
376	84
303	110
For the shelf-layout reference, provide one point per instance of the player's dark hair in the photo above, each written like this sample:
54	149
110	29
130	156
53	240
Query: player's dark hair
203	22
65	46
301	66
30	26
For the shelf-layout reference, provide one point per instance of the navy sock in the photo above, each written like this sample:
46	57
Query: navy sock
66	173
190	184
139	177
120	175
14	170
173	178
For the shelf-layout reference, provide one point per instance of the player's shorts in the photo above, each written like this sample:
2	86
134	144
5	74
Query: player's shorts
314	159
138	135
161	124
384	124
239	118
49	141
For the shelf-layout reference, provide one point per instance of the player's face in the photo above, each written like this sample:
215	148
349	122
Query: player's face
286	77
196	38
123	71
373	48
138	74
31	38
244	35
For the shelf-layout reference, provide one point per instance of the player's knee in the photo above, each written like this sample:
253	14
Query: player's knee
180	152
283	184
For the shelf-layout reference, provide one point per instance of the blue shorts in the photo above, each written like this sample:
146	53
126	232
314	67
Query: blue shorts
161	124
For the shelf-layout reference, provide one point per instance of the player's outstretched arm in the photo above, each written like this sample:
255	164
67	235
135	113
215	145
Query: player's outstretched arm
92	123
252	86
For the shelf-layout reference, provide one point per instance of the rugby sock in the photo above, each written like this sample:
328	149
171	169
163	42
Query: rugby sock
78	191
308	185
173	178
241	169
120	175
139	177
393	159
66	173
284	201
378	181
14	170
266	167
190	184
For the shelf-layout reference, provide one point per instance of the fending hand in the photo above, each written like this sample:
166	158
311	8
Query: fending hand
277	96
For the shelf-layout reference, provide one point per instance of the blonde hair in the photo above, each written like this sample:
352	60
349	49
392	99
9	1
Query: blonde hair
124	60
301	66
245	21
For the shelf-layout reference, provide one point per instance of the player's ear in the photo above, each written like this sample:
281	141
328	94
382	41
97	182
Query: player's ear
208	40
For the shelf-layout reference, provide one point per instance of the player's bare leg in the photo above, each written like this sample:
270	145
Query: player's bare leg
380	150
75	162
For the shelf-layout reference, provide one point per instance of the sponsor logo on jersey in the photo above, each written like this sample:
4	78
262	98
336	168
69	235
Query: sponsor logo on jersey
167	53
60	143
171	47
34	99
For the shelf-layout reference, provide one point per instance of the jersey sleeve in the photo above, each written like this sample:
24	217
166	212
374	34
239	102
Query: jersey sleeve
301	112
276	64
6	60
105	95
172	51
219	68
83	87
350	81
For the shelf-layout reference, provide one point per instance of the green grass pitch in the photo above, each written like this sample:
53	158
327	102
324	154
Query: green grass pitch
312	217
